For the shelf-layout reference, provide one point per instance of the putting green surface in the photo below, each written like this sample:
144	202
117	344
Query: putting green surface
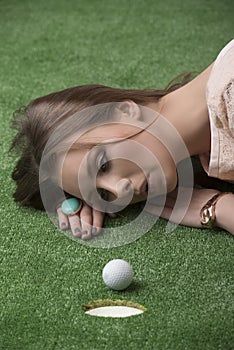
184	279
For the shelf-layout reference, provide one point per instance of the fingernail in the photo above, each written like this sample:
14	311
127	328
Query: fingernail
94	230
77	230
63	225
84	232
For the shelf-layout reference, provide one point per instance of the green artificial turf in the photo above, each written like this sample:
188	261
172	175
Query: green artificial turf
184	279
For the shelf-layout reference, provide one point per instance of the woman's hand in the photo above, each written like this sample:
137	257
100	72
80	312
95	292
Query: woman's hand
85	224
192	213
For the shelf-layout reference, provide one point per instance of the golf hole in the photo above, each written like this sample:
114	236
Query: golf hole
113	308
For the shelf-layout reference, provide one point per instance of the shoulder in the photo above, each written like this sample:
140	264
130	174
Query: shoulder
227	50
220	102
222	73
220	88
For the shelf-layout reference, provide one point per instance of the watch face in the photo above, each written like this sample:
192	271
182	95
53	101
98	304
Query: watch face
205	216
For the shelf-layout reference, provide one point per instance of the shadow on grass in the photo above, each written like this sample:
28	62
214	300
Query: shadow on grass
135	286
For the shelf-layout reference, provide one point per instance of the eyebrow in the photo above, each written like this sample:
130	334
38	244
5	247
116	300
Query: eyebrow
91	154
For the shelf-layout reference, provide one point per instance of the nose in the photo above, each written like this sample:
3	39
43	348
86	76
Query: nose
123	187
117	188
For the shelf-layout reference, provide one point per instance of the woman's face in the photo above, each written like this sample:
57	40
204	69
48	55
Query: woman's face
117	170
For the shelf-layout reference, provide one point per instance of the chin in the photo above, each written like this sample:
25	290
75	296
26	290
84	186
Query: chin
171	186
171	182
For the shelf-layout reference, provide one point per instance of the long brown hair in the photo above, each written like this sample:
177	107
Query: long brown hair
36	121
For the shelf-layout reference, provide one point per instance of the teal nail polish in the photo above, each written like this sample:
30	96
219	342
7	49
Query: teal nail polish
84	232
77	230
94	230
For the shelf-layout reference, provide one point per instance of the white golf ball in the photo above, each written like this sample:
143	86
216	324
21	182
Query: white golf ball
117	274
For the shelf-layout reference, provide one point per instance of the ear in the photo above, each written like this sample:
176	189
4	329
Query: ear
129	109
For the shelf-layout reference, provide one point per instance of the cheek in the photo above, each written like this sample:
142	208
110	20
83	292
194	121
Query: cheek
124	165
126	157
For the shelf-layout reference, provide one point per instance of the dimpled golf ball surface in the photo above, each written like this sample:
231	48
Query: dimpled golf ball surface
117	274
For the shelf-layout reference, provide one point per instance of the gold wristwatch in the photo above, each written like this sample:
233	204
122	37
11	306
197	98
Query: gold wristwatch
207	213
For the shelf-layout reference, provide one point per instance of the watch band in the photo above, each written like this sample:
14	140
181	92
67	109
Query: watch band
207	213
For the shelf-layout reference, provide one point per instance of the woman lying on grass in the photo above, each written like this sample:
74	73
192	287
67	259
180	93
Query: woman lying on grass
200	110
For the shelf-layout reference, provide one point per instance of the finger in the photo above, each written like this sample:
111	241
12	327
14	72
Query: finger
98	218
86	219
63	219
75	225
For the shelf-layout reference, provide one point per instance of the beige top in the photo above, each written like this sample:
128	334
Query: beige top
219	162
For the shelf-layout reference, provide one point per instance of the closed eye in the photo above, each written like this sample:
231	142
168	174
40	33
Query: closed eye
103	163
